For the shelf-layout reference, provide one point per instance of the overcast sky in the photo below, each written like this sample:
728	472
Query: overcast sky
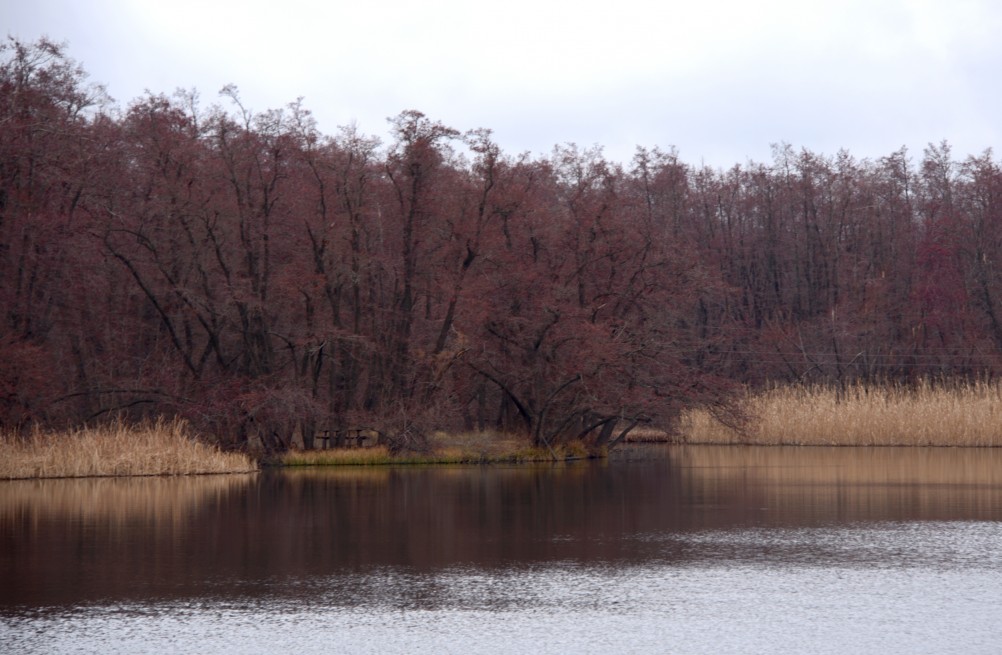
721	80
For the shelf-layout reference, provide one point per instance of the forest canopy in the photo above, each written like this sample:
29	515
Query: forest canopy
258	277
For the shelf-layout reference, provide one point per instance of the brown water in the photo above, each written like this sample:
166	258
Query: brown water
661	549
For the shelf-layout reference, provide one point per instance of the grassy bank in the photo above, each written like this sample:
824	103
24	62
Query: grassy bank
165	447
470	448
960	414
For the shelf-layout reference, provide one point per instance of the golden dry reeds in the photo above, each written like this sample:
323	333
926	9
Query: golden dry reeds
927	414
161	447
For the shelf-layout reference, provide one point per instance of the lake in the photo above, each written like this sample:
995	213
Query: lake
660	549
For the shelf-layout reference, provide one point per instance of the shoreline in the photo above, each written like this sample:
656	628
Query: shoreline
344	459
944	415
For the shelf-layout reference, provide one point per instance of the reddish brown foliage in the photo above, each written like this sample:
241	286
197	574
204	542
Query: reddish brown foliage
263	279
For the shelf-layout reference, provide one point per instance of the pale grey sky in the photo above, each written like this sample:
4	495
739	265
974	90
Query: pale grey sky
721	80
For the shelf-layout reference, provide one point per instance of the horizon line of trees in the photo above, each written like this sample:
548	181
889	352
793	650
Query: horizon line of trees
259	277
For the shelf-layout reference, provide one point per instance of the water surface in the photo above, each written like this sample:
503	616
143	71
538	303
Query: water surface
659	550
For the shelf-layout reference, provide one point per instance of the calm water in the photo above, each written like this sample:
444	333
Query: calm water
660	550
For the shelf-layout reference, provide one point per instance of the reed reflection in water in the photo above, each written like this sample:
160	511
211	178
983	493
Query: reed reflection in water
715	548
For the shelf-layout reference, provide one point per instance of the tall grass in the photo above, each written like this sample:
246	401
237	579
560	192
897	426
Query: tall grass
929	414
162	447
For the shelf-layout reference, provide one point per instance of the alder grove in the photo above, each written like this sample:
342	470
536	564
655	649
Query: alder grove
259	278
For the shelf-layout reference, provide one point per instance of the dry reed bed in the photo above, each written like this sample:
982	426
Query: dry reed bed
162	447
968	414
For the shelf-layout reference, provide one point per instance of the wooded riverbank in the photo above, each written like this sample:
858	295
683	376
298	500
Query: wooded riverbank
945	414
257	277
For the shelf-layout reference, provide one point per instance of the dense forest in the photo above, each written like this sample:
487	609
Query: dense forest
260	278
